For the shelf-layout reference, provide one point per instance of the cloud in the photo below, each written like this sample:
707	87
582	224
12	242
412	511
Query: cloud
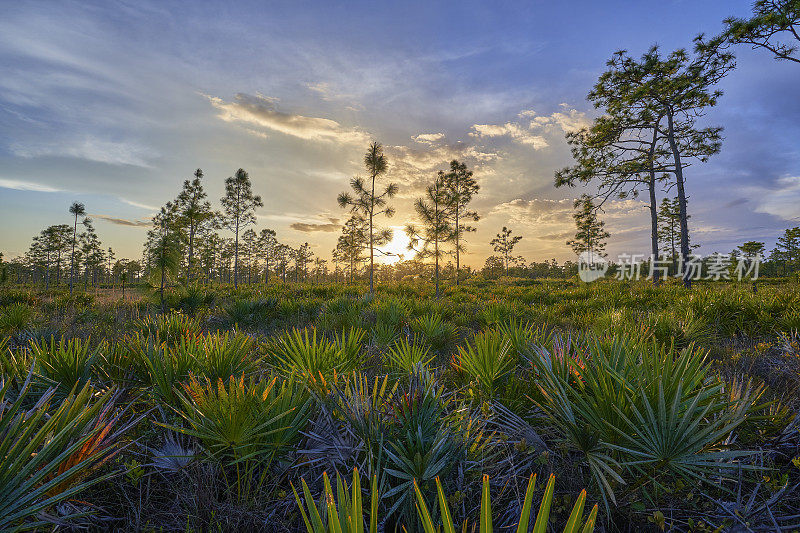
571	120
90	149
125	221
428	138
557	236
414	166
26	186
307	227
510	129
780	200
535	210
261	111
533	134
139	205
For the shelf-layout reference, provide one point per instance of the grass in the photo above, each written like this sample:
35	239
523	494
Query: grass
670	407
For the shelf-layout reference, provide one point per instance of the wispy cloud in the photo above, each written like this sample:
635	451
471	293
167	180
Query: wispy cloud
26	186
262	111
307	227
90	149
534	132
428	138
781	199
124	221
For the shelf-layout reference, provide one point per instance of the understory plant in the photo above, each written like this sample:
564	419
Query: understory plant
641	415
245	425
47	450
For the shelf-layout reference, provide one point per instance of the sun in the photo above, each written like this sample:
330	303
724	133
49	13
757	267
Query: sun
397	248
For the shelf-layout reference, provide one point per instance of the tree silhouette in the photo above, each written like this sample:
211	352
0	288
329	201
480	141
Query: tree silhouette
365	202
676	90
352	243
591	235
460	186
282	256
621	152
266	246
751	249
504	243
788	249
92	252
164	247
302	257
249	249
435	230
194	213
773	22
78	210
239	205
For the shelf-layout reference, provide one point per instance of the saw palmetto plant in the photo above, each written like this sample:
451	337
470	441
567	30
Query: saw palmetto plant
575	522
47	451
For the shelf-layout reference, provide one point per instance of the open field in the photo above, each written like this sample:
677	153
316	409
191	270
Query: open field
674	408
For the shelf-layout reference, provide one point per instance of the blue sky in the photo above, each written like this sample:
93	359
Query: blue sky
115	103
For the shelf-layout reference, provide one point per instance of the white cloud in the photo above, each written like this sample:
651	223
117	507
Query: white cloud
428	138
510	129
89	148
415	166
261	111
781	200
537	128
26	186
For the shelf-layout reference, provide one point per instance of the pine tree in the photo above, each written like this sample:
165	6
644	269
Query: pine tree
239	205
195	214
504	244
591	235
460	186
370	204
79	210
266	246
435	230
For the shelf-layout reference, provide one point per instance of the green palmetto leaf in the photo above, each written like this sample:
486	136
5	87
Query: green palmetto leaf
574	524
405	356
487	360
38	445
344	513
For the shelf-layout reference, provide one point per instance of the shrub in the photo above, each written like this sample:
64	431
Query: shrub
405	357
487	360
344	513
640	411
310	354
433	330
575	523
251	313
65	363
170	328
245	424
47	451
15	318
221	356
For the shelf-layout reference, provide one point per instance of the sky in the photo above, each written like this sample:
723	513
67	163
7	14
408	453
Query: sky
115	103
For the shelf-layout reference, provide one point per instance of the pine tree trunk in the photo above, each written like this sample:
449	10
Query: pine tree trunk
72	256
651	186
458	232
189	273
687	281
371	247
236	258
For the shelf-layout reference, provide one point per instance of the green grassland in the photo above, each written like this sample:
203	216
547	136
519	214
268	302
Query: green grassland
674	409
